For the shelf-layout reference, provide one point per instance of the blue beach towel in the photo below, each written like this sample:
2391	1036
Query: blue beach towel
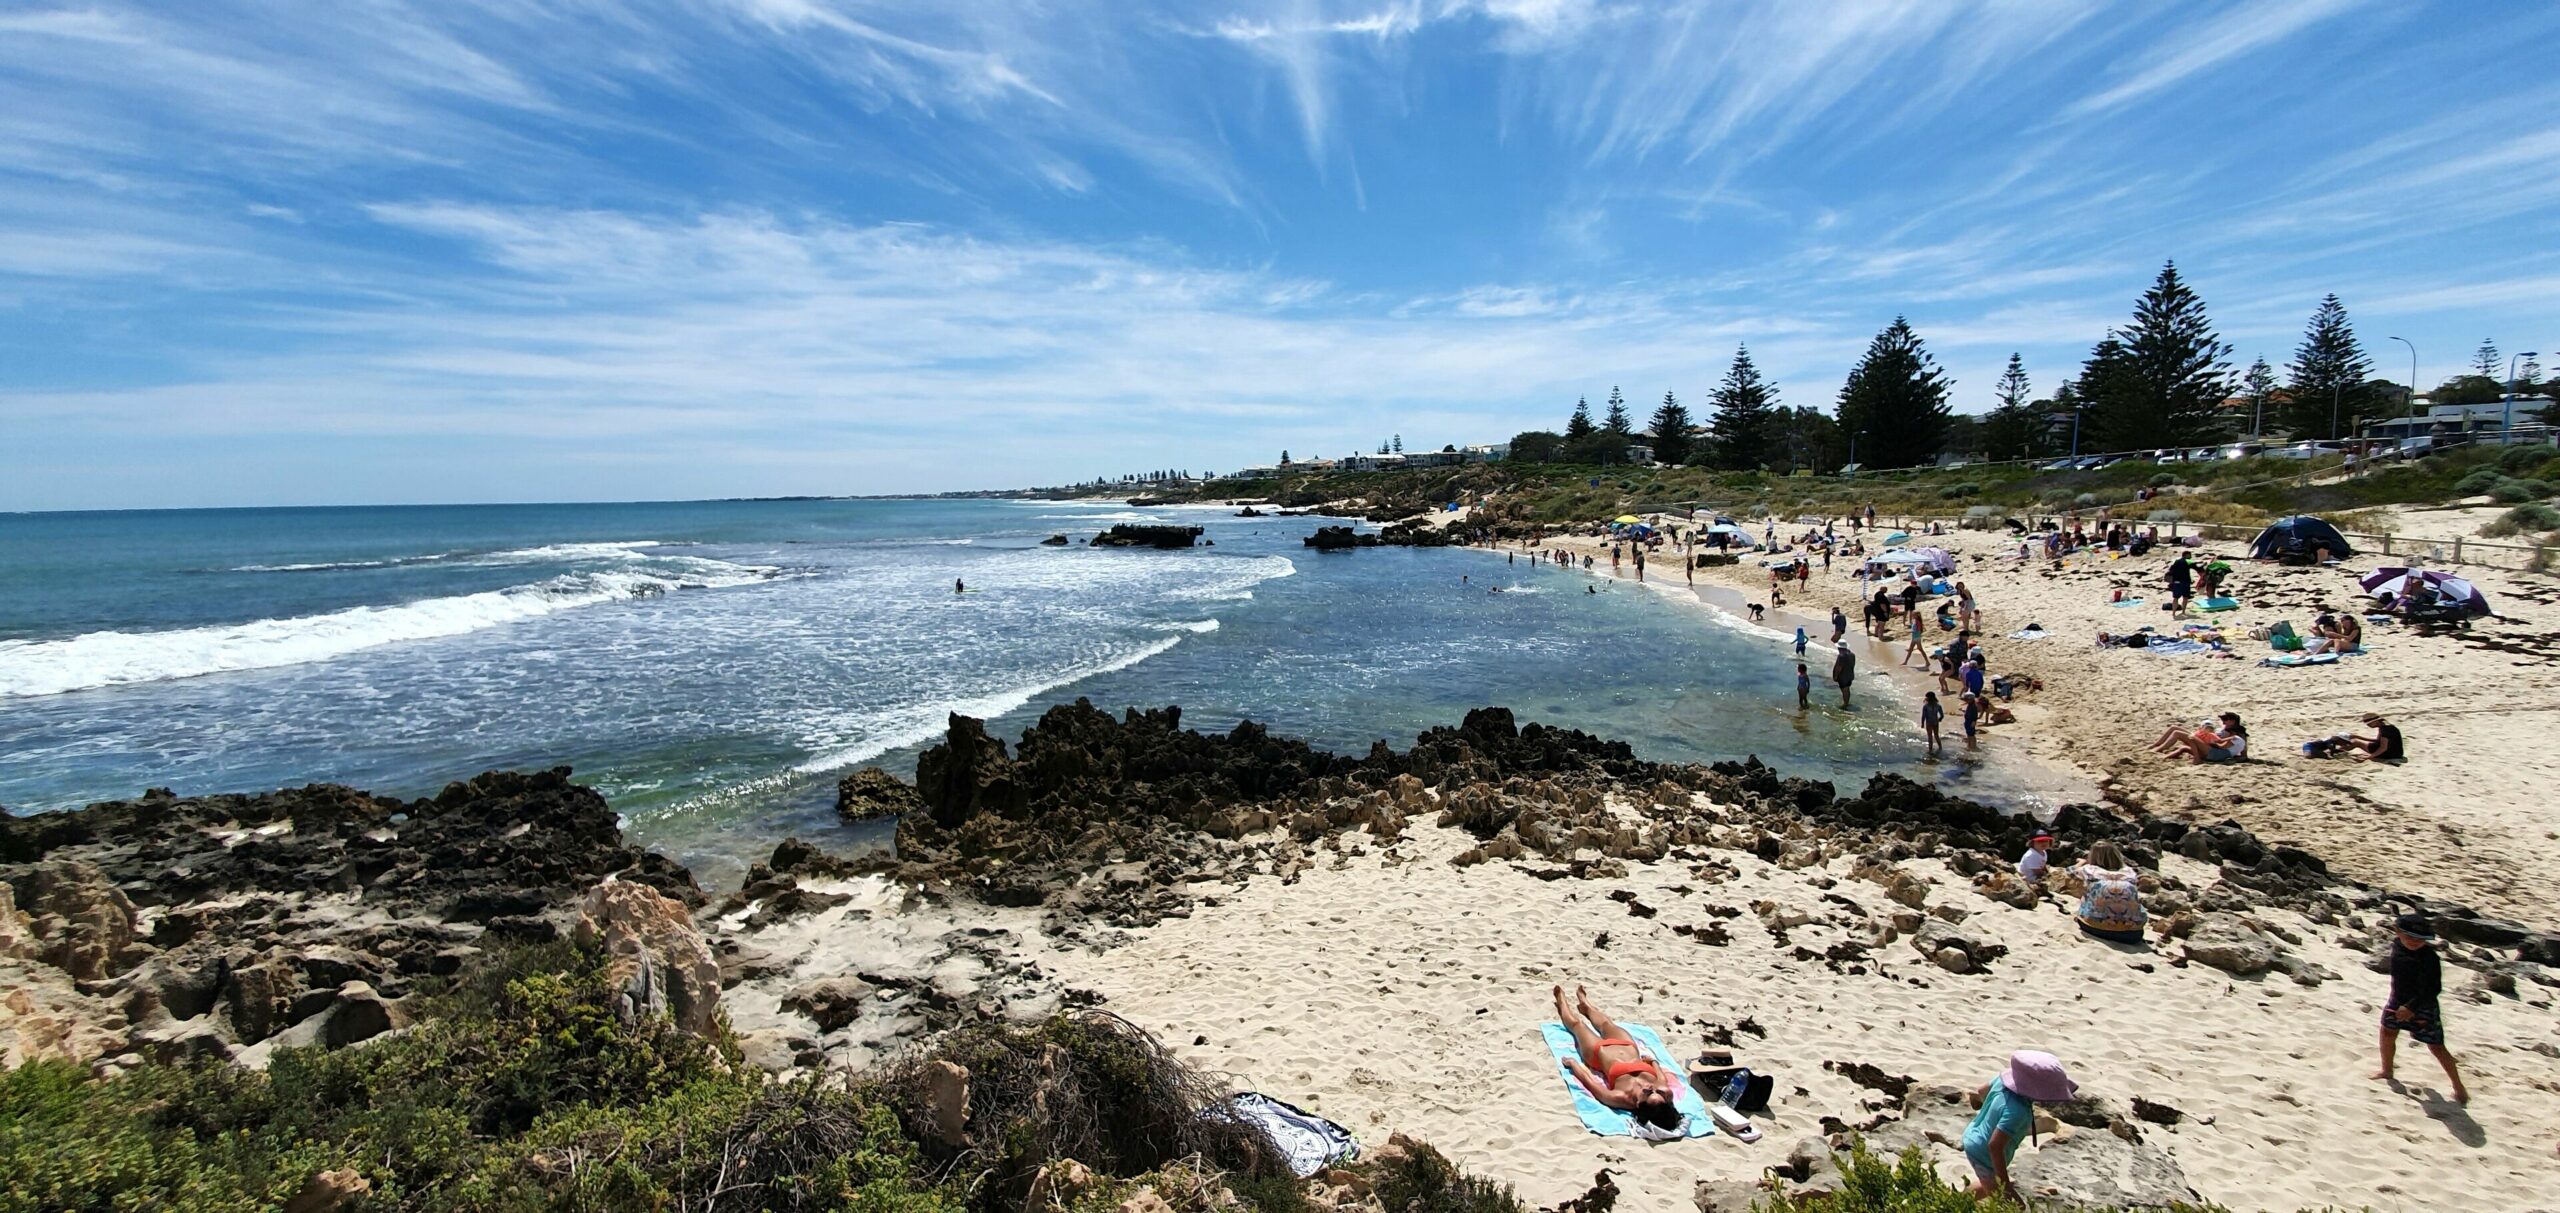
2126	602
1607	1121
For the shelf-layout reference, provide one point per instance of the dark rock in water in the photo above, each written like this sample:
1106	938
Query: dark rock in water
1415	533
1136	535
1250	512
1054	541
872	793
1339	539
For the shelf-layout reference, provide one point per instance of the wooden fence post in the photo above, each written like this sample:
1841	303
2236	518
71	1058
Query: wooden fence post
2457	549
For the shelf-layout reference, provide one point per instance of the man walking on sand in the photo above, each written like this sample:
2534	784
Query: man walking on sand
1839	625
2417	976
1844	670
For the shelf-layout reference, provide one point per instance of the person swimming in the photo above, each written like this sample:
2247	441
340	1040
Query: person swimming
958	587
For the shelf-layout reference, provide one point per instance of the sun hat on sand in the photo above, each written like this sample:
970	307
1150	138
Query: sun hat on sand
2038	1076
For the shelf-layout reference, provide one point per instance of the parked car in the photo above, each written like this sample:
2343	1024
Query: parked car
2242	450
2064	464
2108	461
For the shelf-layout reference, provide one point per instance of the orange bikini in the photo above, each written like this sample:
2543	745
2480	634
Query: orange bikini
1610	1077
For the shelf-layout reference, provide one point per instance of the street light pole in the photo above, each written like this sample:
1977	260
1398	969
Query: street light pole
2507	402
2413	372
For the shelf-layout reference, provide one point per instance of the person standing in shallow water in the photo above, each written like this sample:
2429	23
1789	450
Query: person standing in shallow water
2417	978
1844	670
1804	688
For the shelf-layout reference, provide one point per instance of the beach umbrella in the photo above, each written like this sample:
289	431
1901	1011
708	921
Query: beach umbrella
1734	536
2388	573
2451	589
1628	519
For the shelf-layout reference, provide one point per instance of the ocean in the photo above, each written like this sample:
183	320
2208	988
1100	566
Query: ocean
713	667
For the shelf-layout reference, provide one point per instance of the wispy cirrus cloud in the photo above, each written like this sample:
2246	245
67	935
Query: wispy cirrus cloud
720	246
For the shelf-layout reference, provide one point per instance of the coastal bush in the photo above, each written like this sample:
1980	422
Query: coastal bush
1959	491
2085	499
2477	482
2164	480
1872	1183
1419	1179
2515	492
2519	460
2533	518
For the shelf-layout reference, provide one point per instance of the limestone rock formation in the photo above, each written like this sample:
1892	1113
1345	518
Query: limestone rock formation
653	954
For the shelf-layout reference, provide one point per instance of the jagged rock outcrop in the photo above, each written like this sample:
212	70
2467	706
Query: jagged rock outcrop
1339	539
872	793
1143	535
653	954
262	909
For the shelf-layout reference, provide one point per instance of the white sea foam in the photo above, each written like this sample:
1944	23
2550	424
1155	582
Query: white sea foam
1196	627
1236	584
915	726
101	659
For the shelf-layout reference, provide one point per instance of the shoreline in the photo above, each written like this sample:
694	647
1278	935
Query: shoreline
2458	820
1372	939
2048	782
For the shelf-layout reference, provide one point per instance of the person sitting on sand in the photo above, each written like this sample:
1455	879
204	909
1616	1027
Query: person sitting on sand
2343	633
2417	976
1613	1067
2038	859
2383	746
2008	1116
2225	740
2111	902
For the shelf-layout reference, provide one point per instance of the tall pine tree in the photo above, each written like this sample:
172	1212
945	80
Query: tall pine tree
1744	425
2488	363
1894	405
2010	430
2258	385
1616	420
1580	426
2327	378
1671	431
2163	382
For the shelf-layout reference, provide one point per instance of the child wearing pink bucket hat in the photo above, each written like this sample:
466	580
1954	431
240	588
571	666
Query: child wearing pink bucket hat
2008	1116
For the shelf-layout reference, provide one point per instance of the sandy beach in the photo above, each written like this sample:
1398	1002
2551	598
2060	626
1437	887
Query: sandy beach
1393	991
2464	819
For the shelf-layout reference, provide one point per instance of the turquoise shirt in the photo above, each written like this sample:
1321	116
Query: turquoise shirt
2001	1109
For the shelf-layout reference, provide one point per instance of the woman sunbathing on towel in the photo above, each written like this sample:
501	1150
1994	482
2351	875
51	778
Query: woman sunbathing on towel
1613	1067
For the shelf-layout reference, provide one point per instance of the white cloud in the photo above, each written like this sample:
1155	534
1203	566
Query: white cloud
2210	45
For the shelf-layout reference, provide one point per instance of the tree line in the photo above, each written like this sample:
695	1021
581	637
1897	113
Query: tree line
2162	380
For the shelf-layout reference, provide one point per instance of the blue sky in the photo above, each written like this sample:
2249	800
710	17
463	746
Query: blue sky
604	249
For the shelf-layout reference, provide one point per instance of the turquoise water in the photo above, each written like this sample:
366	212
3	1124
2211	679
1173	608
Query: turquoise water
713	666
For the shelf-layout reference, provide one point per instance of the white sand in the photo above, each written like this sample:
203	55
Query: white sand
1405	997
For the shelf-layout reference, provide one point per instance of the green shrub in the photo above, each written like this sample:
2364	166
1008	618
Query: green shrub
2085	499
1421	1180
2512	492
2477	482
1959	491
2523	519
2517	460
2164	480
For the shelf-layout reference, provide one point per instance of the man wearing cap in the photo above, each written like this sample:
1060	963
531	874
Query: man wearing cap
2417	976
2008	1116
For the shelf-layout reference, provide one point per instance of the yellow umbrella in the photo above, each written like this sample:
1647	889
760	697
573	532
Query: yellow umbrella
1629	518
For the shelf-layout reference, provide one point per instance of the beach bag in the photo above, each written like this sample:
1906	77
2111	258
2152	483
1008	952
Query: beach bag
1748	1093
2281	638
